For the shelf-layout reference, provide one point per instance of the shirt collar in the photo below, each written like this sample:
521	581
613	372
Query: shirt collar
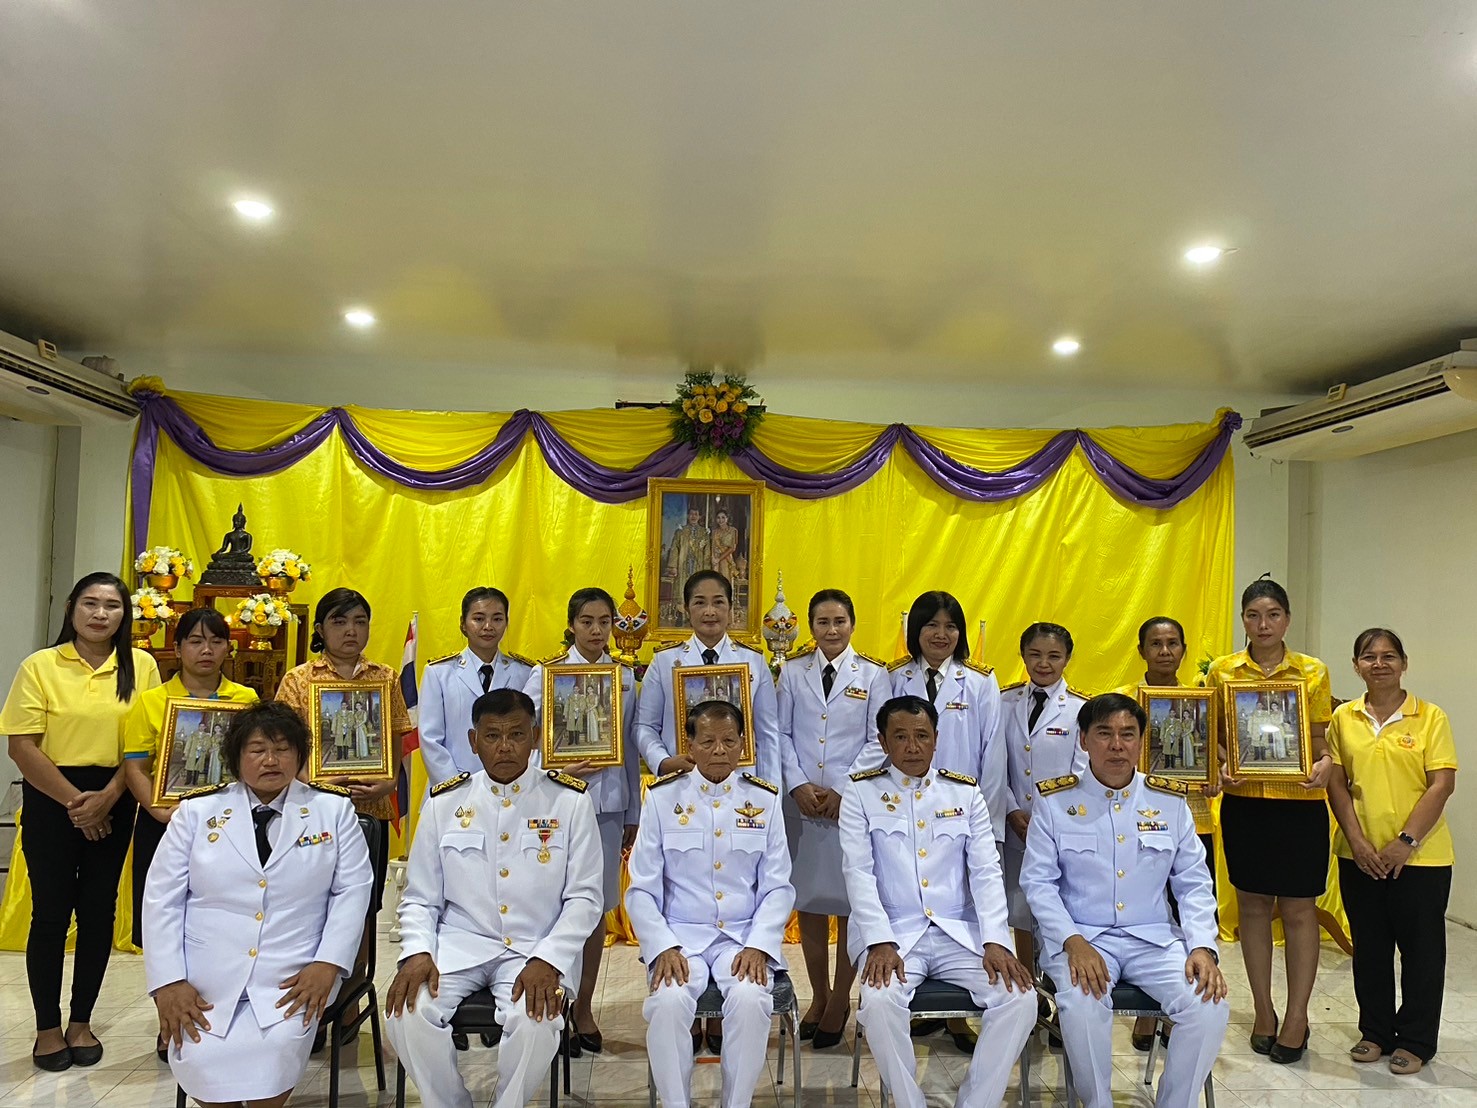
1051	691
278	804
520	784
1243	659
321	664
907	781
695	645
69	651
1410	706
175	686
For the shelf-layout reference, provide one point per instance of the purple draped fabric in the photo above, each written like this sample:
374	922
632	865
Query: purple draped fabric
618	486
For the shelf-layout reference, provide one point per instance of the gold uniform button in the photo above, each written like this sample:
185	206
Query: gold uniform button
925	882
720	925
517	788
252	952
820	765
507	803
922	853
507	940
718	895
503	837
823	716
502	909
921	825
260	916
1120	873
928	912
503	872
717	865
1120	838
1120	905
717	803
718	834
918	796
1028	773
907	781
1118	807
823	742
262	883
1028	748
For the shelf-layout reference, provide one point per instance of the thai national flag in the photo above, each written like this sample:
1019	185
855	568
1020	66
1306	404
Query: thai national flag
413	736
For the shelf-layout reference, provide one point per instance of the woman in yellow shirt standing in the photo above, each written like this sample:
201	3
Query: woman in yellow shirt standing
64	716
1275	834
1396	768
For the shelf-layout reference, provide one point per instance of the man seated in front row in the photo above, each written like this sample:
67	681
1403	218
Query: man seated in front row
502	889
709	897
1100	852
928	900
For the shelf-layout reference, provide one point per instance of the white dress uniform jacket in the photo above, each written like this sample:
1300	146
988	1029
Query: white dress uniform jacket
1097	863
923	872
969	740
449	688
710	875
235	929
656	728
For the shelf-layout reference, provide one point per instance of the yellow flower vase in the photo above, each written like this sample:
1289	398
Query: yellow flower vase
164	582
143	633
280	584
261	636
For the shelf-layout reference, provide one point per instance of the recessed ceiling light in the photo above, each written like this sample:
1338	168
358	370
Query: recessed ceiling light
1066	347
359	317
257	211
1204	255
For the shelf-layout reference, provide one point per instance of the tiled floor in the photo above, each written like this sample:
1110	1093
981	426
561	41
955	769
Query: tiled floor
130	1075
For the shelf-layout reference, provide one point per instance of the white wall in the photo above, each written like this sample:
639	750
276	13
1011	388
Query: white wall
1393	543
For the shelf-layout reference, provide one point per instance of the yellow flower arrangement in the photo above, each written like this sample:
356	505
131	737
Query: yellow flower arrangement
151	604
284	563
718	417
163	561
263	610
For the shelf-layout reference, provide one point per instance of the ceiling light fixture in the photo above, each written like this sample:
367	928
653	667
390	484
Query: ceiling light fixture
257	211
359	317
1204	255
1066	347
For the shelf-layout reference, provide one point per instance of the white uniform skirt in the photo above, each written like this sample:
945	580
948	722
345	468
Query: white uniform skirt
612	826
249	1063
816	868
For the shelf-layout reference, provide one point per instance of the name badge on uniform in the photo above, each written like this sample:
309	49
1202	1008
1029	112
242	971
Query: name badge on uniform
1057	731
1152	825
948	813
856	693
957	705
745	823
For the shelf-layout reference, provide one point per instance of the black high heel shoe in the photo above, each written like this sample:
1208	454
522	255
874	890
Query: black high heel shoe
1286	1055
824	1040
1263	1044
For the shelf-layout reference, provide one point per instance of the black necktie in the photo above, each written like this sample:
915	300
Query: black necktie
933	685
710	657
261	817
1038	694
828	678
486	672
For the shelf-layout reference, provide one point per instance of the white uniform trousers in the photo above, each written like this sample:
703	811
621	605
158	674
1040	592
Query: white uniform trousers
748	1008
422	1038
1087	1022
1008	1019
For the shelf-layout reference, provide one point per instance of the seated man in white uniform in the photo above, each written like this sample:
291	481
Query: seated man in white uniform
928	900
1099	854
709	897
502	889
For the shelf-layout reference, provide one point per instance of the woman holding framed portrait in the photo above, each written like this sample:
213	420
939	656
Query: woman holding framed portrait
615	790
1395	768
1289	815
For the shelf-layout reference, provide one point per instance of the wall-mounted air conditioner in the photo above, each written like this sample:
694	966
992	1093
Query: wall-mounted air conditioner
40	386
1423	402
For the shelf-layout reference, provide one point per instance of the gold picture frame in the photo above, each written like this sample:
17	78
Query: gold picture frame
350	724
189	754
692	685
726	534
577	701
1181	739
1272	747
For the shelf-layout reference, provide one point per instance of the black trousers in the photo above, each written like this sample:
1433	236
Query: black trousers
1405	913
148	833
70	874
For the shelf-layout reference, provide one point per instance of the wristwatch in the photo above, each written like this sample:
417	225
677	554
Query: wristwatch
1408	841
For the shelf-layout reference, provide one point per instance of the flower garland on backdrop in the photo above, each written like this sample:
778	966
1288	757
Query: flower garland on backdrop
719	419
609	485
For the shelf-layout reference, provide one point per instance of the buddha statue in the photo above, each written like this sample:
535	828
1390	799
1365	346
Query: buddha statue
233	564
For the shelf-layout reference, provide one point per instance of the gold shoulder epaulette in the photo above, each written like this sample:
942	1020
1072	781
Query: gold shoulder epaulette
668	778
1167	785
568	781
668	646
868	658
962	778
325	787
1008	688
204	790
900	663
805	651
557	656
444	658
1080	693
1056	784
868	774
529	662
450	783
763	784
979	667
748	646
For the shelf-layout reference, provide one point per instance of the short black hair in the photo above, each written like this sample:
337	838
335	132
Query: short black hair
924	609
271	719
1046	631
480	593
908	705
336	602
1262	587
1101	707
705	575
213	621
720	708
502	702
1361	644
1149	624
830	596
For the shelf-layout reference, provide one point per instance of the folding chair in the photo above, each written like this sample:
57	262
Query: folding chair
932	999
786	1008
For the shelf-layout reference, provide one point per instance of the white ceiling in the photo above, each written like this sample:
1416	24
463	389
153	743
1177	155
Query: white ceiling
939	189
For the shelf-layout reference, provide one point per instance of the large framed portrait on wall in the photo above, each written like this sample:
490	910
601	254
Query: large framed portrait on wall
350	726
583	716
695	684
1267	728
189	755
695	525
1180	742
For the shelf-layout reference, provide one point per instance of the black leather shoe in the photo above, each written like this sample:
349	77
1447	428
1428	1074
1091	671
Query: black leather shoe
54	1062
965	1040
922	1028
575	1050
1287	1055
459	1040
807	1030
697	1042
593	1042
1263	1044
161	1048
715	1043
824	1040
320	1040
87	1055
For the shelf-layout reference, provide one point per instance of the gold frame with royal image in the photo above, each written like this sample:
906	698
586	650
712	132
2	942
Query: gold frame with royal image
680	705
610	751
166	757
670	560
1202	775
1258	769
380	766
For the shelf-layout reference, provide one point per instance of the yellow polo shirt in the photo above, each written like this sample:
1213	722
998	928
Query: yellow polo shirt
73	707
145	722
1387	766
1293	667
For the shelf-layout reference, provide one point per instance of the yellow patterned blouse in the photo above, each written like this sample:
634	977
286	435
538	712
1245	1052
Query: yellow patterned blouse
1293	667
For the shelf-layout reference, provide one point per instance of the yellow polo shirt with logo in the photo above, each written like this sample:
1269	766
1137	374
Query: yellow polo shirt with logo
73	707
1293	667
145	722
1386	766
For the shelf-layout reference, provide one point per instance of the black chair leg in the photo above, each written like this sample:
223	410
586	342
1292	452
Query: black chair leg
374	1031
554	1081
567	1051
399	1084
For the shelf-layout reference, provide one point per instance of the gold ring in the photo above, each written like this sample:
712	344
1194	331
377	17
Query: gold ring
558	992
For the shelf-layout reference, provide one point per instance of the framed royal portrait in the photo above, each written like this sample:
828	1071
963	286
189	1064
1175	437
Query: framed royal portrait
1268	735
696	525
1180	742
582	716
695	684
351	730
189	755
